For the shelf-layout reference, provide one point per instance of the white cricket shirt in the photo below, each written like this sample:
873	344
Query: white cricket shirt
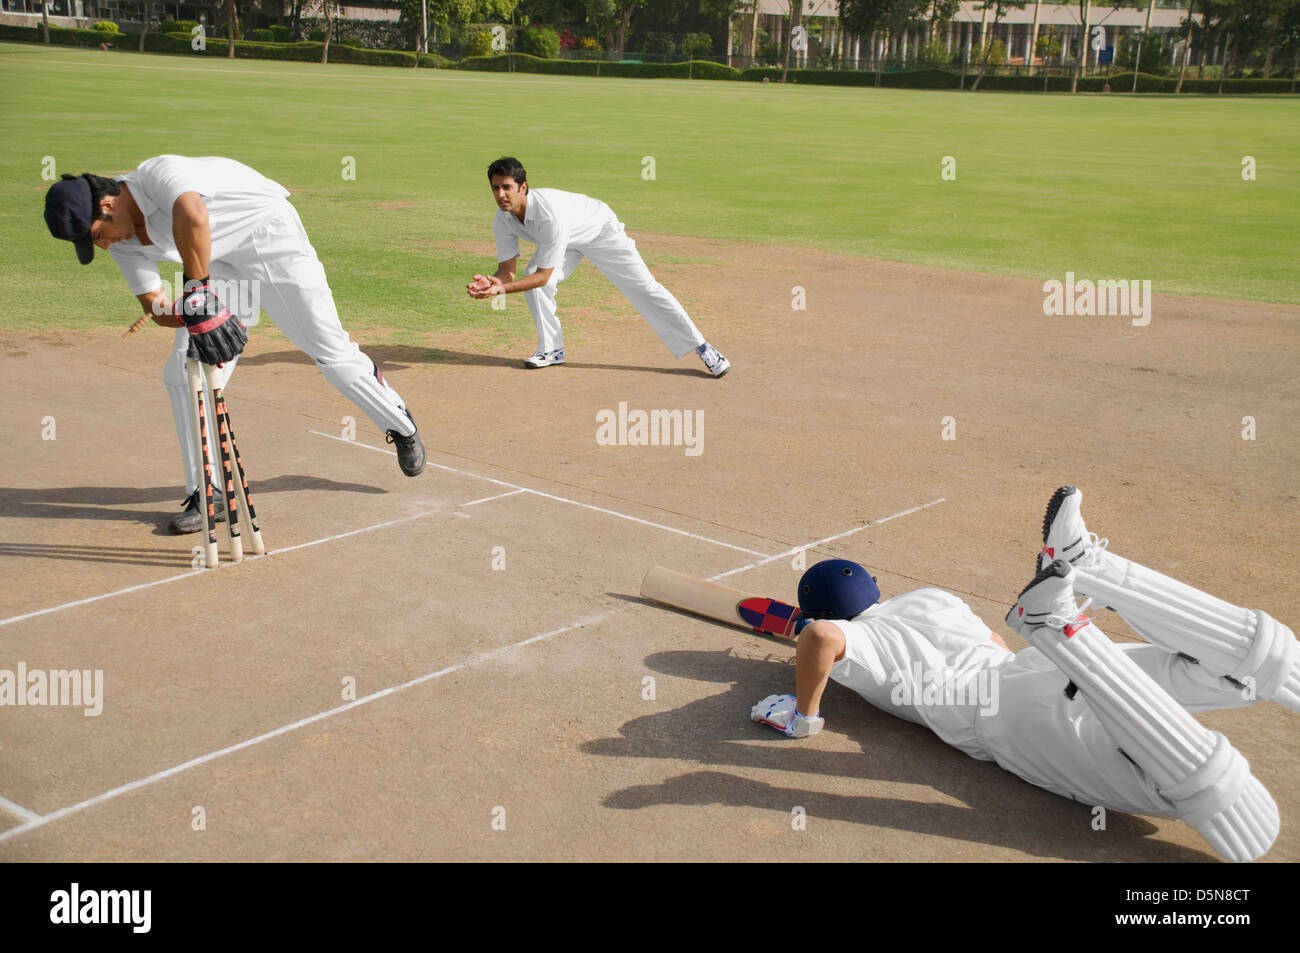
553	220
924	656
237	198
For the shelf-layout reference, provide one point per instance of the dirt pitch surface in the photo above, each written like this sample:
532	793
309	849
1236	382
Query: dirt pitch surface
515	699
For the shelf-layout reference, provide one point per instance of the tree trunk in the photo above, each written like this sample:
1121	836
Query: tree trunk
1137	60
144	27
624	21
1033	41
423	45
45	21
796	19
1227	61
295	23
752	48
232	28
1081	55
988	52
1187	53
328	7
1272	42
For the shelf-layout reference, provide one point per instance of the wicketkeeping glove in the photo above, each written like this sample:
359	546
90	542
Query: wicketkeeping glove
216	335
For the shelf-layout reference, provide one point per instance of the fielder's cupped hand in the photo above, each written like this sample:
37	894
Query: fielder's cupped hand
216	336
485	286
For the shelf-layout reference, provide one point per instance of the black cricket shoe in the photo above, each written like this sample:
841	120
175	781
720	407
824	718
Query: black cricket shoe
190	519
410	451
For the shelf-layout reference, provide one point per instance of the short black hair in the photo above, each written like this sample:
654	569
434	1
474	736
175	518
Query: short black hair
508	165
99	187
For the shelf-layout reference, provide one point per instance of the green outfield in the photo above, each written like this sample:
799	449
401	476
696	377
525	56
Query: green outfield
1103	186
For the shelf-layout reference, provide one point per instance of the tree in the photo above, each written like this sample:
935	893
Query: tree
1081	53
328	6
45	20
144	27
421	17
862	18
602	14
999	8
1187	53
796	20
626	10
232	28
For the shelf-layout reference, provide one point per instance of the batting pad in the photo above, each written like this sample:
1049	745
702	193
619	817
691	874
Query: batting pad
1247	645
1207	782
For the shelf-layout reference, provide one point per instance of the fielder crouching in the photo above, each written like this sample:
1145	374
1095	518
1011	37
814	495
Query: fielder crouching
1100	723
223	223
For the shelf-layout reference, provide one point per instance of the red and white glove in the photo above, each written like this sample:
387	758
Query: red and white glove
216	335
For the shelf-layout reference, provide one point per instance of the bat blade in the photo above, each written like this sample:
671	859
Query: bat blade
736	607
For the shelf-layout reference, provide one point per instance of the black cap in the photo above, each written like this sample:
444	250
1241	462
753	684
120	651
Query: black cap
69	212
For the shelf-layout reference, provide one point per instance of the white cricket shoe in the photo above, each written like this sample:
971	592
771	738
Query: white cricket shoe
779	712
715	362
545	358
1064	534
1048	600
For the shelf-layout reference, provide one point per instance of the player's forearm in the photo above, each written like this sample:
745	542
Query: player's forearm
157	307
526	283
193	234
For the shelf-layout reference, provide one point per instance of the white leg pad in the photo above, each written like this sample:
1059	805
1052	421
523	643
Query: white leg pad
1247	645
1206	781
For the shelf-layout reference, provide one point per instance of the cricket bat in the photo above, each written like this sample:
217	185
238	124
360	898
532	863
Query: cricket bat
732	606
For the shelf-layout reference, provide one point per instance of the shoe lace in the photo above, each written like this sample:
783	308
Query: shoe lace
1093	553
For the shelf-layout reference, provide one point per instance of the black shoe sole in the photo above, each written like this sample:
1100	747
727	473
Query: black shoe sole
1057	567
1054	505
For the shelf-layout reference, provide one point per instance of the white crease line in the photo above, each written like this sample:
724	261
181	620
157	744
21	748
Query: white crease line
551	496
354	532
18	809
40	821
106	595
489	499
195	573
827	539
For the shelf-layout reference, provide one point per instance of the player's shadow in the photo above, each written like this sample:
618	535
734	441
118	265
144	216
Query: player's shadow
121	503
994	808
397	357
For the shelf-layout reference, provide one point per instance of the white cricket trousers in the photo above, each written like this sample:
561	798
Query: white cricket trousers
288	281
615	255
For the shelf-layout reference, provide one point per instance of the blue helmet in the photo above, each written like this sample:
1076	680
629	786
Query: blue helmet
837	589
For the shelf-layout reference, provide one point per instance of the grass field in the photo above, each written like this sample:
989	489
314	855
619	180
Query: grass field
1104	186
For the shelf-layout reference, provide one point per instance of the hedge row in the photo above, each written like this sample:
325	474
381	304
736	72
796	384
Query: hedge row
699	69
943	79
216	46
523	63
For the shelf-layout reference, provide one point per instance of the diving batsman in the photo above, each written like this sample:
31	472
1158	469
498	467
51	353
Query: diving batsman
1104	724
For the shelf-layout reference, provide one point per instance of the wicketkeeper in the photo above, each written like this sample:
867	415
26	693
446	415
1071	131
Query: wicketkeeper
1108	725
222	222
